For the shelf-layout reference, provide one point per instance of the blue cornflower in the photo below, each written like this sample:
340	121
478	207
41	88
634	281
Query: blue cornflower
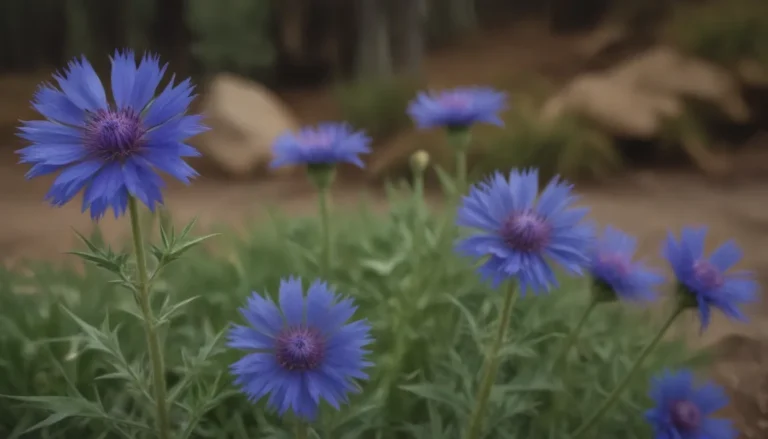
614	272
302	352
703	282
520	235
111	151
458	108
683	411
325	145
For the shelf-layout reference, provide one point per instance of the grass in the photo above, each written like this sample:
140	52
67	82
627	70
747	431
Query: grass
723	32
377	106
569	146
431	317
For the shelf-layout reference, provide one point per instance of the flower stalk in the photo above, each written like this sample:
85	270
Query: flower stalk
150	325
322	177
619	389
302	430
491	366
460	139
574	334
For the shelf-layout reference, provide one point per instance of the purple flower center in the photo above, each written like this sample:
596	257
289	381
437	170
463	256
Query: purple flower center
315	140
526	231
114	135
619	264
299	348
707	275
686	416
455	101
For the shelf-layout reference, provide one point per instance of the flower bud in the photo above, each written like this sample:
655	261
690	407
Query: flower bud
419	161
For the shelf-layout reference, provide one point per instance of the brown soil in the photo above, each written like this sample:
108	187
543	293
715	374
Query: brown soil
647	204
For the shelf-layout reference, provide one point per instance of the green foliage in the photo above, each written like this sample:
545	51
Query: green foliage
72	334
231	35
723	31
568	146
377	106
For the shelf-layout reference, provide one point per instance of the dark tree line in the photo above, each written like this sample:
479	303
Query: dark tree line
282	40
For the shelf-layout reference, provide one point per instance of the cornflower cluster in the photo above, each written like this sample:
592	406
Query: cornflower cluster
305	347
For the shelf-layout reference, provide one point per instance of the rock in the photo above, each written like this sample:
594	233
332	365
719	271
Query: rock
245	118
636	97
617	107
594	43
644	98
665	71
752	74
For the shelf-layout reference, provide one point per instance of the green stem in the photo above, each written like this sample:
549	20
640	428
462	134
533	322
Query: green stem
461	172
150	328
418	203
574	334
302	430
326	229
614	396
460	138
491	367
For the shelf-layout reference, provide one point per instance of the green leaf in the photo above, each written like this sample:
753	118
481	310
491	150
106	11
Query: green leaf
167	313
102	258
182	248
446	181
436	393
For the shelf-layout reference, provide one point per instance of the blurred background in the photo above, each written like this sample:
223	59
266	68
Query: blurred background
656	108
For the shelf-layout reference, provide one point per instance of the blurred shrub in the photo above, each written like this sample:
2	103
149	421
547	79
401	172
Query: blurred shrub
723	31
639	15
431	317
377	106
231	35
569	146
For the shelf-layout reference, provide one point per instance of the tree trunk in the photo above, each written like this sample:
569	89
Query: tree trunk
566	16
463	15
374	58
409	35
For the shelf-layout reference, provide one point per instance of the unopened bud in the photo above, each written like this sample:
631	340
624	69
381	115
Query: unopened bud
419	161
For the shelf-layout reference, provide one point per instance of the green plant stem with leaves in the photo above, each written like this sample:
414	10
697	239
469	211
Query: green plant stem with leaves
460	139
326	227
322	177
570	340
619	389
150	325
419	163
491	366
302	430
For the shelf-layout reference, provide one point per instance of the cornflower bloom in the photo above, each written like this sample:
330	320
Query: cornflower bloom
458	108
704	283
111	151
520	234
683	410
325	145
616	275
303	351
320	149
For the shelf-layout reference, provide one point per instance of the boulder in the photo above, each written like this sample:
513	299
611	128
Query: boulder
635	97
616	107
245	119
644	96
666	71
753	74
